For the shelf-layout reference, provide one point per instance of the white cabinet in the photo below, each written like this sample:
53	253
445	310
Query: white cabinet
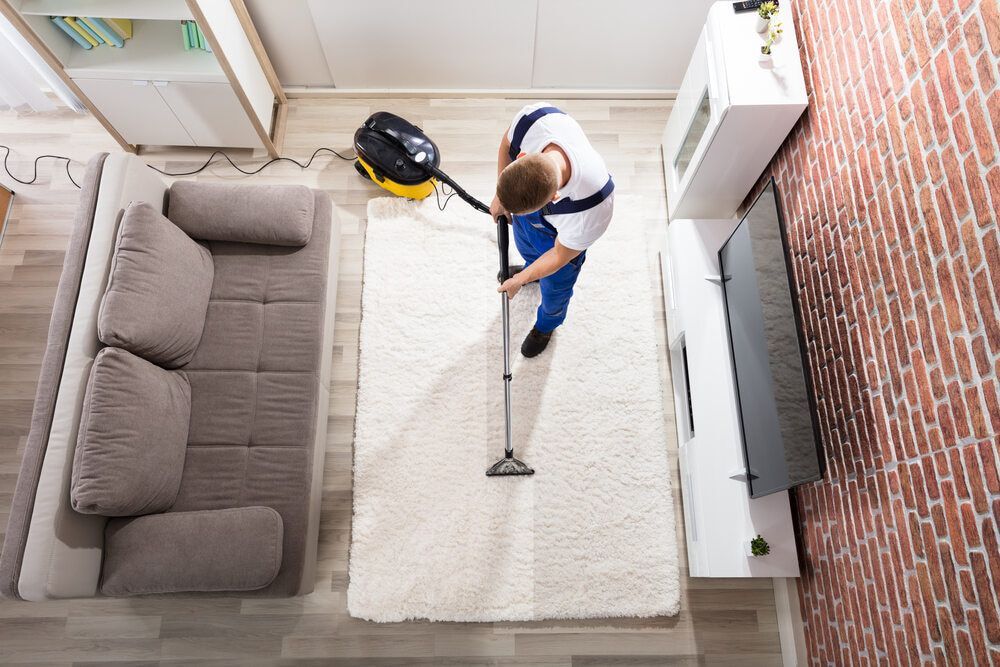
720	518
172	113
732	114
207	110
136	110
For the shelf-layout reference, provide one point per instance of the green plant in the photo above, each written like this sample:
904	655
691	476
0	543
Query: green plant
759	547
772	37
767	9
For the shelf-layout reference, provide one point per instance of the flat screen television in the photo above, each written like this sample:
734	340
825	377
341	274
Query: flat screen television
776	406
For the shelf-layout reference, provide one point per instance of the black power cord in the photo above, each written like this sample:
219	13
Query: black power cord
34	176
437	195
208	162
259	169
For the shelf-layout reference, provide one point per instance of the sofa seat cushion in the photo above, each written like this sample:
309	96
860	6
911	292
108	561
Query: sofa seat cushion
158	289
255	386
234	549
279	215
132	438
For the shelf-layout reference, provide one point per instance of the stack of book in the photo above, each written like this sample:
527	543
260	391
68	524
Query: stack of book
88	31
194	38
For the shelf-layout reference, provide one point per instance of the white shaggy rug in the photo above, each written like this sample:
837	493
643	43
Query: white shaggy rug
591	534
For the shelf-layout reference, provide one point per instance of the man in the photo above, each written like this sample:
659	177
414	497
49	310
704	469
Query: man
560	195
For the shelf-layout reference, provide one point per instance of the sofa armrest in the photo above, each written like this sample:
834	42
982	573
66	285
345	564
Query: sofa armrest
268	214
235	549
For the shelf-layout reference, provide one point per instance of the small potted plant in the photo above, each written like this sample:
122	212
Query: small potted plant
759	547
765	51
764	13
776	31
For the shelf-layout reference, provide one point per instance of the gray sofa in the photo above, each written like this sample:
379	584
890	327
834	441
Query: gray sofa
179	426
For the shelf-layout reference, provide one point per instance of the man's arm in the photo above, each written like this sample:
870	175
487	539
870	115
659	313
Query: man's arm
503	159
548	263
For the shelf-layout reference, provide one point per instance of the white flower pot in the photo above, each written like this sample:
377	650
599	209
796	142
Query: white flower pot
762	24
766	60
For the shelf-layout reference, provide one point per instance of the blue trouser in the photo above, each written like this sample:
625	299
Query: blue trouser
533	237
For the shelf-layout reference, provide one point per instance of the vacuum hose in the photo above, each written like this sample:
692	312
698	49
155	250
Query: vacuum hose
445	178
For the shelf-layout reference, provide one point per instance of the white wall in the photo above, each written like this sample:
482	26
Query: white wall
289	35
441	44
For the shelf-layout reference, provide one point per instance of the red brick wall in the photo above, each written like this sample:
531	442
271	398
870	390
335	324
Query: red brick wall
890	185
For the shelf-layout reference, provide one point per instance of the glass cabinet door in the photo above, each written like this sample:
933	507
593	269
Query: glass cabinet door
699	123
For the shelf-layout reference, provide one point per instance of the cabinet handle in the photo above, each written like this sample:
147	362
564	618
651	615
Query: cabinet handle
140	82
160	84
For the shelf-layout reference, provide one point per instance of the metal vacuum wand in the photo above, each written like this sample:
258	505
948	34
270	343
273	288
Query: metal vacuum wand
508	465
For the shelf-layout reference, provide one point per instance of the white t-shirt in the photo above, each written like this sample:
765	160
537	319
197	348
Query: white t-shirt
588	174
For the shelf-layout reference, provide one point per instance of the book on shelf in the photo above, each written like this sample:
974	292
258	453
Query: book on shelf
89	31
74	35
104	31
193	37
71	22
122	26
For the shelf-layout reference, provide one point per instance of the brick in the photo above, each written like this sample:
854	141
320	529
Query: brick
946	82
981	130
984	589
988	309
963	70
988	458
986	72
991	19
956	186
973	36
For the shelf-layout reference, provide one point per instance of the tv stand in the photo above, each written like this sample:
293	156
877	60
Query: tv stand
720	517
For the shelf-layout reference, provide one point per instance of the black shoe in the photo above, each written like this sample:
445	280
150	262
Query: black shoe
535	343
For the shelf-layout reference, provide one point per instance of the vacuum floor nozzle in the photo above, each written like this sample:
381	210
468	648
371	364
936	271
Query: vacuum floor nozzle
509	466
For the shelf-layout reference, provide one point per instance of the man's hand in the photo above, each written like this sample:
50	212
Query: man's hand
497	209
511	286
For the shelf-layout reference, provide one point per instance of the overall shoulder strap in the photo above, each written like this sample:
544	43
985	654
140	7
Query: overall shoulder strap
523	125
566	206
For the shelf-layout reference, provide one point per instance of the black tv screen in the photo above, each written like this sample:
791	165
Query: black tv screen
777	409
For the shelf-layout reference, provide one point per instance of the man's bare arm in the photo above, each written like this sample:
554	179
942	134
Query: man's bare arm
548	263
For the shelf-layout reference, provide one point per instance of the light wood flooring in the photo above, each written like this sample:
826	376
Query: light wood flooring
720	622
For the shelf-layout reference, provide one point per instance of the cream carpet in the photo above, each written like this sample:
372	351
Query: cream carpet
592	533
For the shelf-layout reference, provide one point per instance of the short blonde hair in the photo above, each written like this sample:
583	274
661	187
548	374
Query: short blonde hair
527	184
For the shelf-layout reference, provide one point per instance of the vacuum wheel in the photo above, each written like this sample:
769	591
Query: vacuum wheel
361	170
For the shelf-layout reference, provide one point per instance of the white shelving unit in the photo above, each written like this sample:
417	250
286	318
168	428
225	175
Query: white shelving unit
153	91
731	114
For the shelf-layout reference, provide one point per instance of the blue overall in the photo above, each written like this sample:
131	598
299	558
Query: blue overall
534	235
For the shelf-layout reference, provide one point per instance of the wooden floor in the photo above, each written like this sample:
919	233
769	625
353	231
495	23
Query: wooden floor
720	622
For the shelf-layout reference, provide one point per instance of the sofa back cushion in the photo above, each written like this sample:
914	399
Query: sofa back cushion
158	289
279	215
132	438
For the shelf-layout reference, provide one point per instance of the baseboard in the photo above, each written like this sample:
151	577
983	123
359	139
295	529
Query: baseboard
790	629
527	93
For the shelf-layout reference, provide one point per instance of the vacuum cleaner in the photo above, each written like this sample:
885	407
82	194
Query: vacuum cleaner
397	156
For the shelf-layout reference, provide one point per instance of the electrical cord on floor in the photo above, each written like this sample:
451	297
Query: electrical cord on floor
259	169
437	195
208	162
34	176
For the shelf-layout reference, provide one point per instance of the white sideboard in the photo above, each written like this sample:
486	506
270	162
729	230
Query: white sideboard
731	115
720	517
